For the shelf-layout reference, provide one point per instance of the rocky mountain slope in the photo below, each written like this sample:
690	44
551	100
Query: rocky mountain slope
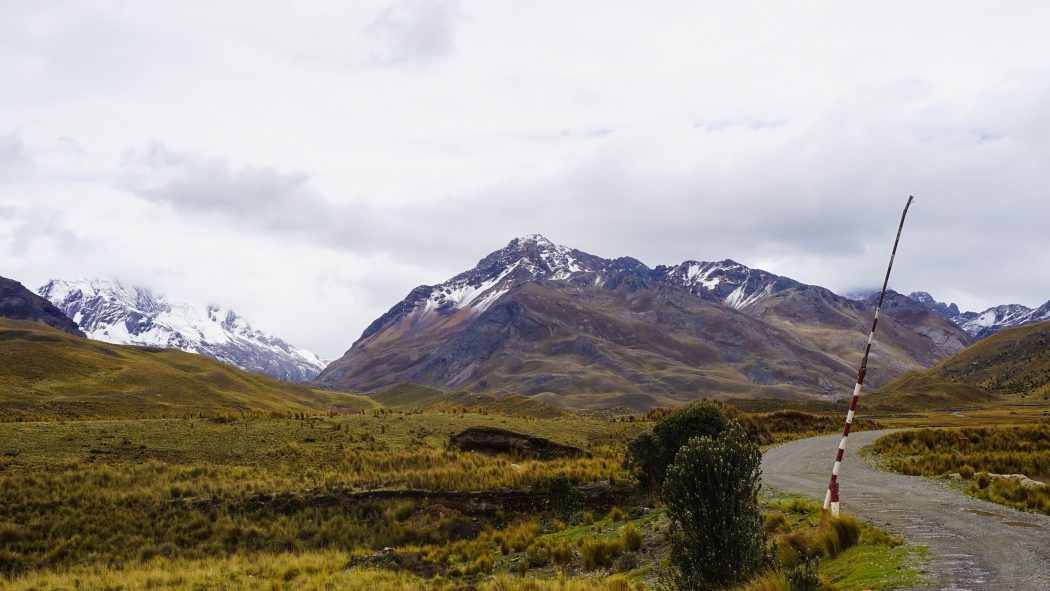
578	330
18	303
988	322
112	312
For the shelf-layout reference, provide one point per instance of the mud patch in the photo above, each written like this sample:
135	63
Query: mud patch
492	441
1020	524
983	513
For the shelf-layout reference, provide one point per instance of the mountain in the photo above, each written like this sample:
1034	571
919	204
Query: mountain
18	303
1013	361
574	329
46	373
112	312
992	320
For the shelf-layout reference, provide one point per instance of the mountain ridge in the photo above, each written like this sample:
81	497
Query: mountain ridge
109	311
575	329
990	321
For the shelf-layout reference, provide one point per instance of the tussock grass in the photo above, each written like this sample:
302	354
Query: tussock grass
1019	449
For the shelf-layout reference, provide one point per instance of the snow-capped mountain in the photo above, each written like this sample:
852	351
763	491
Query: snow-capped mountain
541	319
727	281
109	311
988	322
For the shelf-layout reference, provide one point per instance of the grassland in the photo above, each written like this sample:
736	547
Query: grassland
47	374
986	453
253	501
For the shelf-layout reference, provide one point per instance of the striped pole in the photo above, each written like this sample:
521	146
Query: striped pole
831	499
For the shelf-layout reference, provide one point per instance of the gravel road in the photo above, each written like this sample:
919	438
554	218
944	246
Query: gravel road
973	544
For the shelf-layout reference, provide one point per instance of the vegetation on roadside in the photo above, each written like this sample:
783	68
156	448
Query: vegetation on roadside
711	492
980	455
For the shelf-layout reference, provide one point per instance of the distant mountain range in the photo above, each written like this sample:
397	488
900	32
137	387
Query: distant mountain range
989	322
575	329
109	311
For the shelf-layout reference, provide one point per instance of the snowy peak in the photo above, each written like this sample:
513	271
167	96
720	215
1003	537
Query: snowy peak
988	322
110	311
727	281
949	311
534	258
524	259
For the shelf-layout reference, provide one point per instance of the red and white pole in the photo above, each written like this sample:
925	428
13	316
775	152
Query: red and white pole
831	499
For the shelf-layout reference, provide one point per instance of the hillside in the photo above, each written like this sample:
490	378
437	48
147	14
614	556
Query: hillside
18	303
46	373
576	330
1013	361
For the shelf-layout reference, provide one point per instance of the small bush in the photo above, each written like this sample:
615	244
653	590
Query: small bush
711	493
966	471
617	514
880	538
651	453
598	553
631	538
775	523
769	581
564	497
983	479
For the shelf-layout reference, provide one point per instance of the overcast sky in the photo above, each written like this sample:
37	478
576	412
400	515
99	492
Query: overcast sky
309	163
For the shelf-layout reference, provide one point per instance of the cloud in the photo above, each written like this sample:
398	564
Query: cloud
413	32
14	156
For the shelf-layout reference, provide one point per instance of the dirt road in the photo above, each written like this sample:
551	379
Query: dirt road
973	544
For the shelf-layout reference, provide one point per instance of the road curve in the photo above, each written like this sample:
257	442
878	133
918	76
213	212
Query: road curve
974	544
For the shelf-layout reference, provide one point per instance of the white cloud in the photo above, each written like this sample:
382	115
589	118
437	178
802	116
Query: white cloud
262	159
413	32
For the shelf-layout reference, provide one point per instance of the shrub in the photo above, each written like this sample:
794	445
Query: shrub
616	514
775	523
651	453
631	537
711	494
983	479
769	581
804	578
598	553
563	495
966	471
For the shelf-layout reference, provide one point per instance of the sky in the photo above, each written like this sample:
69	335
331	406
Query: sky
309	163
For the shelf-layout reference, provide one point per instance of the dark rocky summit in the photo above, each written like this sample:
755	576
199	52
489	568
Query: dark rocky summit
18	303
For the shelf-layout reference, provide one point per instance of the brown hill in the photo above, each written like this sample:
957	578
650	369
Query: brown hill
577	330
1014	361
45	373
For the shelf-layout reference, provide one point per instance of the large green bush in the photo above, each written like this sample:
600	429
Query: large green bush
711	492
652	452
